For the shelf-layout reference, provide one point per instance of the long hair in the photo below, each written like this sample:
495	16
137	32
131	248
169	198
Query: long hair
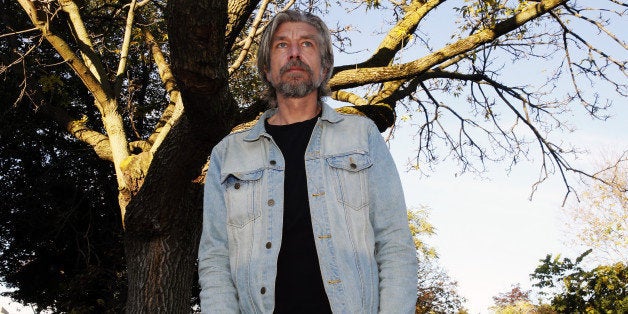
324	42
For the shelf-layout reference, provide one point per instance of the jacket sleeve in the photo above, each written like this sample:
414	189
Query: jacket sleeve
395	253
218	293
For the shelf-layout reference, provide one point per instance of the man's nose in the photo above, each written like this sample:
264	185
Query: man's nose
295	51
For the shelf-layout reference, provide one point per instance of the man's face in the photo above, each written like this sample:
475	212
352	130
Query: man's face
295	62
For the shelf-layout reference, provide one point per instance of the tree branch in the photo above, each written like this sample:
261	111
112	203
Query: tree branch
238	12
249	39
260	30
173	111
78	128
84	73
360	76
90	57
124	50
398	37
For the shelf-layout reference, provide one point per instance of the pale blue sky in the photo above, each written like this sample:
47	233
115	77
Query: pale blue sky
490	235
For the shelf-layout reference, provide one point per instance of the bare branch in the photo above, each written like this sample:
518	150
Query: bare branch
249	39
360	76
398	36
79	129
238	12
173	111
142	3
18	32
90	57
567	30
82	70
619	2
124	51
259	30
598	25
20	59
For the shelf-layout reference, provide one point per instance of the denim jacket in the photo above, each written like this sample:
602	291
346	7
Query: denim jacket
365	250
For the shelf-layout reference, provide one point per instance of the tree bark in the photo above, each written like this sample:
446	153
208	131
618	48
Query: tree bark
163	226
164	218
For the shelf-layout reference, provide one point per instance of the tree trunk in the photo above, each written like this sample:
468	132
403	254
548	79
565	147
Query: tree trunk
161	268
163	224
164	218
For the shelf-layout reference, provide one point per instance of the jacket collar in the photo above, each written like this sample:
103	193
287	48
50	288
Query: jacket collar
328	114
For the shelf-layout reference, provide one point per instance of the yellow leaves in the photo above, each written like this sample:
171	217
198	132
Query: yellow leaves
600	219
420	228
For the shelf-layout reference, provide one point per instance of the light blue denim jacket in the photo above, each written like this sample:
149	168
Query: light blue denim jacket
365	250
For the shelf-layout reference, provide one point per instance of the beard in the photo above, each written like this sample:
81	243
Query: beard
292	87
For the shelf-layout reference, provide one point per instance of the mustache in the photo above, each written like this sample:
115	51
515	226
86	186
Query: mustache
295	63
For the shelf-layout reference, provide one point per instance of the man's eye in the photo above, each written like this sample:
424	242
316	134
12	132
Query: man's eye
282	45
307	44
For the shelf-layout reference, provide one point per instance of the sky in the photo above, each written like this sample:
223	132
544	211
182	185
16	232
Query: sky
489	233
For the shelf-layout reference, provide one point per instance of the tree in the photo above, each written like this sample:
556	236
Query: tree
600	219
512	297
517	301
60	231
437	292
575	290
118	53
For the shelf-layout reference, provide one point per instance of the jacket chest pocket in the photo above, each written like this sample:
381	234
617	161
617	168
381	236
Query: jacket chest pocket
242	197
350	178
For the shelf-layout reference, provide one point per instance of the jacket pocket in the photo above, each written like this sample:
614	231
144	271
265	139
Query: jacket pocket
242	195
350	176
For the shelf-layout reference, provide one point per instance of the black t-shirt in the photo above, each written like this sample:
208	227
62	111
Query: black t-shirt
299	285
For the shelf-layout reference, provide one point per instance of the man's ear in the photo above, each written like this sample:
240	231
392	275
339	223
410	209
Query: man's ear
267	74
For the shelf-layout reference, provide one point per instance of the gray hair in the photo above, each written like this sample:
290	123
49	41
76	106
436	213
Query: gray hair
324	42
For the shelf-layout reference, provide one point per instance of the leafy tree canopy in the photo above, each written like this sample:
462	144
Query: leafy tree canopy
573	289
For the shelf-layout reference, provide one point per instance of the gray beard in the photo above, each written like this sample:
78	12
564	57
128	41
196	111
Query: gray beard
296	89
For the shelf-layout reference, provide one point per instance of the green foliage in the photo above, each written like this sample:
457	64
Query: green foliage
572	289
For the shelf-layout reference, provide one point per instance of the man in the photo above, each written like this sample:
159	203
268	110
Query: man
304	211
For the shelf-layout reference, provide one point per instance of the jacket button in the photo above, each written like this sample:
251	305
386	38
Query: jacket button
237	185
273	162
353	166
269	245
263	290
271	202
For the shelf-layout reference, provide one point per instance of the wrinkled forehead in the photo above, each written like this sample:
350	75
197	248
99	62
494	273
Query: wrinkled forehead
297	30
